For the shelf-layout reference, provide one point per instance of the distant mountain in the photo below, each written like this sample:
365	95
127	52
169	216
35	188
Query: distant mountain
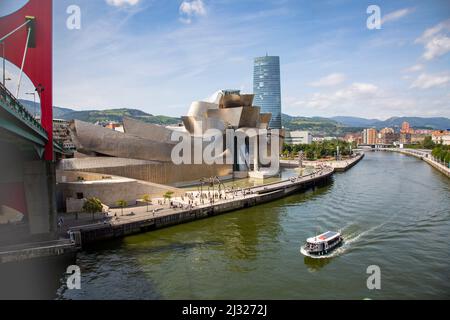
111	115
318	126
335	126
437	123
58	112
356	122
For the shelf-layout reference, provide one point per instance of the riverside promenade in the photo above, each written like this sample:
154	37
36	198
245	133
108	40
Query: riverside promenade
424	155
193	205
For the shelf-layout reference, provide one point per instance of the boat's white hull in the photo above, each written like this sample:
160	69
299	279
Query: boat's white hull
319	255
315	256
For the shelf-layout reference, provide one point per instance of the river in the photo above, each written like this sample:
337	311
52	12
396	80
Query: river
393	211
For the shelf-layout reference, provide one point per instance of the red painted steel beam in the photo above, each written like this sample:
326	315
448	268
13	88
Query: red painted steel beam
39	63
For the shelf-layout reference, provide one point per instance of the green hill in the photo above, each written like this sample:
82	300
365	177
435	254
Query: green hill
111	115
317	126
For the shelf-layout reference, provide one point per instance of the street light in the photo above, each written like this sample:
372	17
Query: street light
4	63
34	101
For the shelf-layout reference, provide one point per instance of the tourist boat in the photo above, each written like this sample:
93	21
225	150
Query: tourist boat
322	244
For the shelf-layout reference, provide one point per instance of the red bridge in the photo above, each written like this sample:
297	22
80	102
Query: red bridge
27	180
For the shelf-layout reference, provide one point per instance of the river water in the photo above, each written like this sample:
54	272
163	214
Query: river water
393	211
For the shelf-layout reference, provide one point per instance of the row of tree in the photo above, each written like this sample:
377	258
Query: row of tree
442	153
439	151
318	150
427	143
94	205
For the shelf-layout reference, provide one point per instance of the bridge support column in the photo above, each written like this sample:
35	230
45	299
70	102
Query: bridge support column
40	185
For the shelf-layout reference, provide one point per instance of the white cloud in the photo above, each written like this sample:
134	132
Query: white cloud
121	3
192	8
426	81
369	101
355	92
436	47
186	20
329	81
436	40
395	15
415	68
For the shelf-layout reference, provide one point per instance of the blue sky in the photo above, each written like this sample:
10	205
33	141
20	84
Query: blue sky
158	56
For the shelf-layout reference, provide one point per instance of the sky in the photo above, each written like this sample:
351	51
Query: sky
160	55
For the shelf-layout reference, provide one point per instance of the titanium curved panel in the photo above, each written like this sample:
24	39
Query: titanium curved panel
147	130
250	117
195	125
93	138
230	116
199	108
264	120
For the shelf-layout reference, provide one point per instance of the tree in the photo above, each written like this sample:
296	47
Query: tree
93	205
447	159
146	199
168	195
122	204
428	143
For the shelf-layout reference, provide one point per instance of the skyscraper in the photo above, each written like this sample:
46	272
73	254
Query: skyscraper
369	136
267	88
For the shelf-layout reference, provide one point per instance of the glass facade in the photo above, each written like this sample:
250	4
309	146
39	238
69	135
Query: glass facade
267	88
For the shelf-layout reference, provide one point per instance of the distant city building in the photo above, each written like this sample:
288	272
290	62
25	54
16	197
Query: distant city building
369	136
446	140
267	88
318	139
298	137
387	136
406	128
405	138
438	136
418	138
353	138
424	131
385	131
115	126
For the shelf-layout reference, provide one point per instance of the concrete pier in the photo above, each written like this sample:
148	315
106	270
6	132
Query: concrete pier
23	252
338	165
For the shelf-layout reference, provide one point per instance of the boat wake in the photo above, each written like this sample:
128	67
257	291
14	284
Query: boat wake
350	239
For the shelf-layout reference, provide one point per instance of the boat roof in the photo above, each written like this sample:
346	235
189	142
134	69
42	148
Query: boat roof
327	236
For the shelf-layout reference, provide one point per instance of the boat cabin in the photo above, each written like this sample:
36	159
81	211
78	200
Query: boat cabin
323	241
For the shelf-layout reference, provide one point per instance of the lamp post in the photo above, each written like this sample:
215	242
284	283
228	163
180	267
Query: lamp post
39	89
34	101
4	63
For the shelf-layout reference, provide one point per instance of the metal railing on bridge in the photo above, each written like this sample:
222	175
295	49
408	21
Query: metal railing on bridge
13	105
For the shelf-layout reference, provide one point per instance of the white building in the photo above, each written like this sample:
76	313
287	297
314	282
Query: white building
446	140
298	137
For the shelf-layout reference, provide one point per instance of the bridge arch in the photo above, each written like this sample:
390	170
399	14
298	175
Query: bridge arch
39	61
12	76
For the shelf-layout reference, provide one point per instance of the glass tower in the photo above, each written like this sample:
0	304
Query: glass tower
267	88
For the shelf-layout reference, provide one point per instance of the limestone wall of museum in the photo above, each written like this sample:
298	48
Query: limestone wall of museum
165	173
